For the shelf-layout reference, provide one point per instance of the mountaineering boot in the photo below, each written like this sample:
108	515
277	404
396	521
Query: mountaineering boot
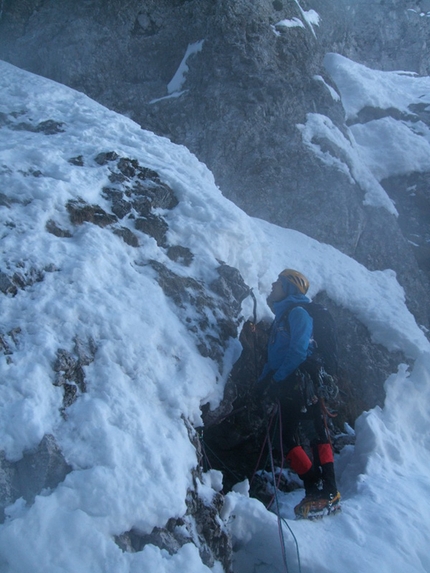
316	507
328	479
311	480
324	501
326	462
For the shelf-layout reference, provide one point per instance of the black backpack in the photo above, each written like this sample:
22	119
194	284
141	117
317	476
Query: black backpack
324	337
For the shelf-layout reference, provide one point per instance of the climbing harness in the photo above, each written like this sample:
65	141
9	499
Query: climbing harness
327	387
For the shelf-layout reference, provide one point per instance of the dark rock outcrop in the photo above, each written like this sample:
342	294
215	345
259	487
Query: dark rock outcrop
43	468
211	312
69	370
21	276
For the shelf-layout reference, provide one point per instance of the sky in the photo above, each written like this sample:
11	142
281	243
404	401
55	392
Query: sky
125	438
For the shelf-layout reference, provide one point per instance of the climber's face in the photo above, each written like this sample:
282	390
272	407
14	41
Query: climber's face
276	294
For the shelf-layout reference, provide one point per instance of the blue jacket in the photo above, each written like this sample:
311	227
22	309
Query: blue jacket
288	347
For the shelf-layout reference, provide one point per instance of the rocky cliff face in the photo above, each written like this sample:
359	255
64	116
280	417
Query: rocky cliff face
231	81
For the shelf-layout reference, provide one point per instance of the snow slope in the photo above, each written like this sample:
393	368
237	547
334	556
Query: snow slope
125	437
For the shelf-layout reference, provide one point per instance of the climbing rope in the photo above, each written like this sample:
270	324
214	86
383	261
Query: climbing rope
254	331
267	436
276	481
229	470
281	520
280	528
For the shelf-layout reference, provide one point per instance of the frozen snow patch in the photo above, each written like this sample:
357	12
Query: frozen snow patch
294	23
332	91
174	87
332	147
362	87
176	83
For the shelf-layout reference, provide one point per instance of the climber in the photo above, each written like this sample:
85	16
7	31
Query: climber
287	378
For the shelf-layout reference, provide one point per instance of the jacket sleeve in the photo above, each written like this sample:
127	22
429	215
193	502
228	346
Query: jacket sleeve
300	324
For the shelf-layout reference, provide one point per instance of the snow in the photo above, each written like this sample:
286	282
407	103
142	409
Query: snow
174	87
125	437
408	150
332	91
349	158
178	80
421	14
293	23
393	94
310	17
363	87
360	155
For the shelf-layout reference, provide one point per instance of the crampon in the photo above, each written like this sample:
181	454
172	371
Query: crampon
314	507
